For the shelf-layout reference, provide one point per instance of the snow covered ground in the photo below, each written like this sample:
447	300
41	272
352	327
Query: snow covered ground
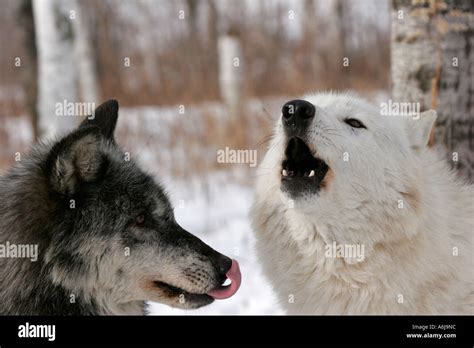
216	210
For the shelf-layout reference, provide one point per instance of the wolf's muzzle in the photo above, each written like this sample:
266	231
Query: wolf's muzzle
296	117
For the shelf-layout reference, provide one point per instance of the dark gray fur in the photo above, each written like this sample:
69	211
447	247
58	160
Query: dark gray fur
80	249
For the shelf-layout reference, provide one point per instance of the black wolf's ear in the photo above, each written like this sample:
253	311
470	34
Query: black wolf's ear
76	159
105	117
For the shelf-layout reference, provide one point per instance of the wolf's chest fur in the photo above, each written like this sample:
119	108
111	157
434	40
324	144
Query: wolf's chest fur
307	281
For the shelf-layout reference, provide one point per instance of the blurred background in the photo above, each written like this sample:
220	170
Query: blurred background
168	54
196	76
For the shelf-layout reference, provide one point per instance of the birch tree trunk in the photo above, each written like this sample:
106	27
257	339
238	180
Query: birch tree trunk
29	65
230	73
432	54
56	73
85	55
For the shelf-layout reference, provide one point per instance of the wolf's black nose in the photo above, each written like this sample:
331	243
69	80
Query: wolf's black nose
297	115
223	264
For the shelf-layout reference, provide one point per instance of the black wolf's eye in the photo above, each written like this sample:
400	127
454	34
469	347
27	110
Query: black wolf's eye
140	220
354	123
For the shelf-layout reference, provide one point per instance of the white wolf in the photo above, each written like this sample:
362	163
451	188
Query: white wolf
340	177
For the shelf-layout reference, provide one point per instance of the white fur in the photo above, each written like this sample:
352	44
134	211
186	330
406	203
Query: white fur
409	266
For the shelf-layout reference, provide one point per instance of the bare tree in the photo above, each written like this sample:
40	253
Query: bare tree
211	60
56	72
230	72
85	54
193	18
432	63
335	35
29	67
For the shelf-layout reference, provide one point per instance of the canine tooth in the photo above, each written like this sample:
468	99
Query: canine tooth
284	172
311	173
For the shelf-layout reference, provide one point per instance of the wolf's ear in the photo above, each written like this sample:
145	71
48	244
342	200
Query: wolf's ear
77	159
105	117
420	129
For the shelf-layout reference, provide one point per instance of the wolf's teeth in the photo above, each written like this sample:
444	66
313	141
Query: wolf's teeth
284	172
311	173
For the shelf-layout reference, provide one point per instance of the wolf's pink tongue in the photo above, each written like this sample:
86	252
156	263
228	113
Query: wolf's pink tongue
227	291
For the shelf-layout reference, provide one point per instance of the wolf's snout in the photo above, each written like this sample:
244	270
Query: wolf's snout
223	264
213	269
296	116
228	270
226	291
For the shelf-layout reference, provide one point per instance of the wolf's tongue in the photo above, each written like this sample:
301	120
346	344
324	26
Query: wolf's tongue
229	290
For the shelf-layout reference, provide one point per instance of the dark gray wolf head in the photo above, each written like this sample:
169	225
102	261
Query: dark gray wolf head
115	238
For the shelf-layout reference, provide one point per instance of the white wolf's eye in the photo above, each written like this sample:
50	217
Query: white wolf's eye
354	123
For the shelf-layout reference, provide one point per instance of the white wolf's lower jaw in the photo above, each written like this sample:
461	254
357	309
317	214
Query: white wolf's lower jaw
301	173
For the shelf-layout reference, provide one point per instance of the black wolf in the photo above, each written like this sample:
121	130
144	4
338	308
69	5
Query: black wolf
105	233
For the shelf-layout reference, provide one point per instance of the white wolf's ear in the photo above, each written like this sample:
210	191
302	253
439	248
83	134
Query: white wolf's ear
105	117
76	159
420	129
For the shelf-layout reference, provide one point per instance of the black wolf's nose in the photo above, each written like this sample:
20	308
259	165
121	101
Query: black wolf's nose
297	115
223	264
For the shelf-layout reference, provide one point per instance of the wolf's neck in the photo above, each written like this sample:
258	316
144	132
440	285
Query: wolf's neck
446	197
86	302
128	308
59	301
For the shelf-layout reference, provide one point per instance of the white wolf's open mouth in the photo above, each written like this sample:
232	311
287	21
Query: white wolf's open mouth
301	171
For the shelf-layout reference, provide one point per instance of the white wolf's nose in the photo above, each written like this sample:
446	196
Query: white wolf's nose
296	116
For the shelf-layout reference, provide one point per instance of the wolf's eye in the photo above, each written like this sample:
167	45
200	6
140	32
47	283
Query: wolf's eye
354	123
140	219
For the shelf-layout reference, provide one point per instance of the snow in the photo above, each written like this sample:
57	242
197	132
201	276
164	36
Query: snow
216	210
